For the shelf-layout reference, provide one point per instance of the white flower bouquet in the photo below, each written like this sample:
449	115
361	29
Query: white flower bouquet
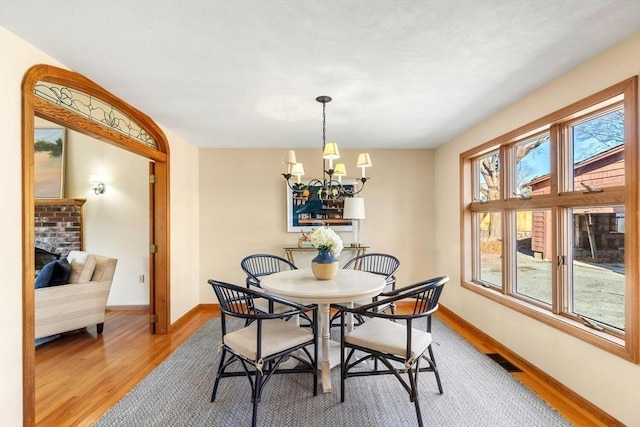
324	238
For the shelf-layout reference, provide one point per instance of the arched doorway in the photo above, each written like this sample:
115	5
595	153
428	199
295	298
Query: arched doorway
73	101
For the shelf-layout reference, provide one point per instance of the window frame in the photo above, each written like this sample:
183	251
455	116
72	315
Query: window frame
625	345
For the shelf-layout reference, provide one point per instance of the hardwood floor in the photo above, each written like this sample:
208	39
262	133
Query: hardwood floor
80	376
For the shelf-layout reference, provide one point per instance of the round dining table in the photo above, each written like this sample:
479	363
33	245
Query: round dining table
347	286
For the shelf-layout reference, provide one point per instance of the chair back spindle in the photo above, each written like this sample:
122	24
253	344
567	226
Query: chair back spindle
378	263
257	265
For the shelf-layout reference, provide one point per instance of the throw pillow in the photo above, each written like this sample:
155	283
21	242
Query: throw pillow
54	273
42	280
61	273
82	266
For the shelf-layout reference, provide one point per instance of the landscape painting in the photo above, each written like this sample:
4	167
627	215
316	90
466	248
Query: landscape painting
49	162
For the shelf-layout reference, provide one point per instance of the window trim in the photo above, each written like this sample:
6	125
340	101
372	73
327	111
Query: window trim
629	346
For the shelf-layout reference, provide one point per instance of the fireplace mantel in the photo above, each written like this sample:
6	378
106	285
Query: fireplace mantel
68	202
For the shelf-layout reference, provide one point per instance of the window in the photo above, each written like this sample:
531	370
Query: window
547	215
597	268
490	248
533	270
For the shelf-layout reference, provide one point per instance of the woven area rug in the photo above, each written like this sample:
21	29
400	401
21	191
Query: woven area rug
477	392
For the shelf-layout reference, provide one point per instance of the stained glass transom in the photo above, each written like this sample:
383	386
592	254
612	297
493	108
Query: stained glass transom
94	109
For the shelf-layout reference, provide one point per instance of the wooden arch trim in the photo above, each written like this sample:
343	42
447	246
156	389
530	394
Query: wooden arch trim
159	200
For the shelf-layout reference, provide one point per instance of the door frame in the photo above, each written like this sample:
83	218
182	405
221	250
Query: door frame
159	282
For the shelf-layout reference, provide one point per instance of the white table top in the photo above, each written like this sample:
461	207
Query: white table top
302	286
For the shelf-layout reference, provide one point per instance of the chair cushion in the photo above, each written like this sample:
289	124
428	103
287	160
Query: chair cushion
386	336
82	266
277	335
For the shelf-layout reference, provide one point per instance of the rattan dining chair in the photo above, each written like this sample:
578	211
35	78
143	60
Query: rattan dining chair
259	265
378	263
262	345
395	342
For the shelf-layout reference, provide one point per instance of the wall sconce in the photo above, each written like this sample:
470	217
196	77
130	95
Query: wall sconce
354	210
97	182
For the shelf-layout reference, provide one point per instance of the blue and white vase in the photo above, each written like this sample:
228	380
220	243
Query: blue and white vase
324	265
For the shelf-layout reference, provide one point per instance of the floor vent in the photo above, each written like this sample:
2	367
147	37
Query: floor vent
500	360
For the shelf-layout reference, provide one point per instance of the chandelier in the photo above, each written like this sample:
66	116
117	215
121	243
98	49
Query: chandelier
330	186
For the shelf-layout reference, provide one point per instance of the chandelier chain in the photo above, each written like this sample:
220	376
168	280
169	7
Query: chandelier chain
324	127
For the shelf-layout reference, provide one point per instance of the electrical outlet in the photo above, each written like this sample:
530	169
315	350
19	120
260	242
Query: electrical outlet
141	278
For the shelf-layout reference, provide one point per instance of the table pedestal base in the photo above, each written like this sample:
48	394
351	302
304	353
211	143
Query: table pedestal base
330	356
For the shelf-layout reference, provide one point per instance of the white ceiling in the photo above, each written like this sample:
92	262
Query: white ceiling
402	74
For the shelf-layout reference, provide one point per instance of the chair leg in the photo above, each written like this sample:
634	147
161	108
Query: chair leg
218	375
432	362
336	316
314	362
100	328
343	363
256	398
413	381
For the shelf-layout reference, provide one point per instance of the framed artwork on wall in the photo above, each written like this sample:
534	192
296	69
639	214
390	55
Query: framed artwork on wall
306	211
48	162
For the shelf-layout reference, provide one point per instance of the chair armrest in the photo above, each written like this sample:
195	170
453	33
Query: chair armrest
411	287
68	307
385	315
262	294
411	291
71	292
295	307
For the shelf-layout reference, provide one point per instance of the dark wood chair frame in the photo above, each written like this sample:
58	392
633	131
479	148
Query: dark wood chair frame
378	263
426	295
237	302
256	266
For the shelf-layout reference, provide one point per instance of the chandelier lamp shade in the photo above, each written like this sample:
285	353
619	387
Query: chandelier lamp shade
330	185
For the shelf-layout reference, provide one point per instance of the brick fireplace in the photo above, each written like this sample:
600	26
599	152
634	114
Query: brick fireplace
58	228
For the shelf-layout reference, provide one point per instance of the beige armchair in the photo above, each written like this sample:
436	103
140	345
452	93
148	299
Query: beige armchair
73	306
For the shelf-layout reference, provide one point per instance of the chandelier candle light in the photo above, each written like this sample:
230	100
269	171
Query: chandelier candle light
331	188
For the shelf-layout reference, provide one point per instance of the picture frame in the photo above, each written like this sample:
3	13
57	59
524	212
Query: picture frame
305	211
49	162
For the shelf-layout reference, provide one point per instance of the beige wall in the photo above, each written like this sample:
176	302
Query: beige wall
184	233
608	381
242	209
116	223
16	57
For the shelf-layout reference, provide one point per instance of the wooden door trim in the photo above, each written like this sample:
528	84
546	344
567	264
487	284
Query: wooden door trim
159	216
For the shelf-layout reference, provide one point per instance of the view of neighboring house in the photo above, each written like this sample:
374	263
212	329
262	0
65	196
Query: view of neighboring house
598	231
